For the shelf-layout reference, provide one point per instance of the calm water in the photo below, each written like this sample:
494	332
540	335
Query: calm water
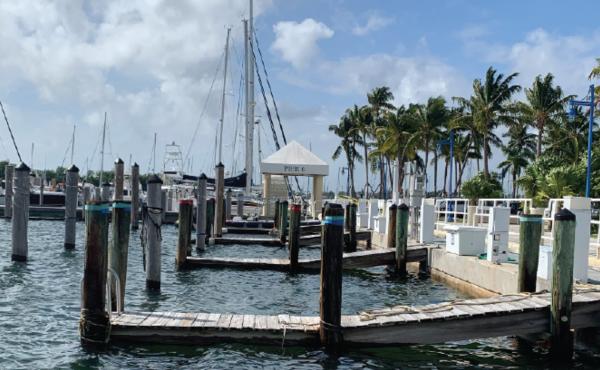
39	312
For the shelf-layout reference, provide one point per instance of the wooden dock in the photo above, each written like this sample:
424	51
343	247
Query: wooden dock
272	240
360	259
452	321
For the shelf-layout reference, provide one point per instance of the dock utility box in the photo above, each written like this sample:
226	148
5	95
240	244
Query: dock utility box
465	240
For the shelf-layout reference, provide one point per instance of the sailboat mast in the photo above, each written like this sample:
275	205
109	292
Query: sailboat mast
73	144
223	96
249	31
102	151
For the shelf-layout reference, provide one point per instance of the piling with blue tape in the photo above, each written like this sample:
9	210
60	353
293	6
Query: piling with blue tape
332	245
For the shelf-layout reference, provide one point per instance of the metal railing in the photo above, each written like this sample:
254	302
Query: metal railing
451	211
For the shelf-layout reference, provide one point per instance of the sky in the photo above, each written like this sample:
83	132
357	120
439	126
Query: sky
157	67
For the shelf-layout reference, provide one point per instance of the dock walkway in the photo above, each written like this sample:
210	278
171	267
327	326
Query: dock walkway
451	321
360	259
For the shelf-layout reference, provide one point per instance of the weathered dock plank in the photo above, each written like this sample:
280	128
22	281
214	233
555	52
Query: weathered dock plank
354	260
436	323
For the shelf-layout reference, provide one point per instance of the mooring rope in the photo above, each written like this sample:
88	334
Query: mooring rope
10	131
147	214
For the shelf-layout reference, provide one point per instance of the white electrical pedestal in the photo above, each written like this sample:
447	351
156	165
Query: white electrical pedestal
497	238
581	207
427	220
465	240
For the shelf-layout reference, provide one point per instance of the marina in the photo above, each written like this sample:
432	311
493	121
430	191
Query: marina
270	185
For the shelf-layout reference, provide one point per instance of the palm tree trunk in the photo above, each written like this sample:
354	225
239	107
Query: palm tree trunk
390	172
351	172
426	165
486	170
538	151
365	146
400	174
435	170
514	184
381	176
446	176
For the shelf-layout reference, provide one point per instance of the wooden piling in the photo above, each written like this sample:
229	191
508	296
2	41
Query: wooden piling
530	234
294	242
119	247
228	205
163	205
184	233
9	174
210	217
42	185
276	216
94	323
391	237
20	216
152	223
351	227
332	240
240	205
283	221
87	196
71	181
135	195
219	188
119	179
402	215
201	214
105	192
563	251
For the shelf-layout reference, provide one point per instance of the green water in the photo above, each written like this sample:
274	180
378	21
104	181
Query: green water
39	313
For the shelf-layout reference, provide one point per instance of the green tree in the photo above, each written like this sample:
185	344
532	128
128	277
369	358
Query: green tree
428	120
380	99
488	107
362	119
481	186
519	152
544	106
350	137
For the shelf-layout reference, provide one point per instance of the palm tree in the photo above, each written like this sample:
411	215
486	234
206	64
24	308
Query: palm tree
349	135
489	107
362	119
566	139
545	103
519	152
398	140
429	119
380	102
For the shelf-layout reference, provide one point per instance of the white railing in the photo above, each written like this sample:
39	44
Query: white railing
451	211
482	212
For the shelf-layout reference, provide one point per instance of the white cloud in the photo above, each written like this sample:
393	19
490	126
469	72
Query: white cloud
297	42
412	79
568	58
148	64
374	22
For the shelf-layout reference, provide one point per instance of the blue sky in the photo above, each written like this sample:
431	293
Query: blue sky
150	66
